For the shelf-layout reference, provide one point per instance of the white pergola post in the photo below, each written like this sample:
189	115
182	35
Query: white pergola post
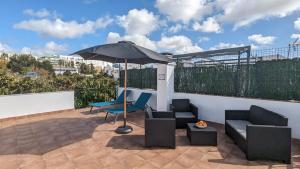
165	86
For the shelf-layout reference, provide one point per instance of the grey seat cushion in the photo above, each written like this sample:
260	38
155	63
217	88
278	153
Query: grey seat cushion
240	126
184	115
149	114
261	116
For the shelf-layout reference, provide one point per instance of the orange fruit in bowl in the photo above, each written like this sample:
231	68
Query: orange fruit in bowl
201	123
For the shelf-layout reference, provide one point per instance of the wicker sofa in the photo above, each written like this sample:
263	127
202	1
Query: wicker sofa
160	128
260	133
184	112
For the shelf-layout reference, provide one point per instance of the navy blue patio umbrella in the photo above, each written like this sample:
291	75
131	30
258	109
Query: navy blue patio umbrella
122	52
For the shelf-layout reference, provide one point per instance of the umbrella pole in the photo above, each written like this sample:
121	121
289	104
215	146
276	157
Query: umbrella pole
125	96
124	129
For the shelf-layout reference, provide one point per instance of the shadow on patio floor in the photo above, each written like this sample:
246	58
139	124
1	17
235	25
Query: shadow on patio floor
40	137
130	142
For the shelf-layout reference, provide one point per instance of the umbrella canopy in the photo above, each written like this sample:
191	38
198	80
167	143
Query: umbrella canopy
118	52
123	52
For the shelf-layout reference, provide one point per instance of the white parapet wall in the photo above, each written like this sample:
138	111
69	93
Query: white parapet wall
212	108
33	103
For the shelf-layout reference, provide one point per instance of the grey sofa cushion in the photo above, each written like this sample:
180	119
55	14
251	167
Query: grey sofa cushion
184	115
181	105
240	126
261	116
149	113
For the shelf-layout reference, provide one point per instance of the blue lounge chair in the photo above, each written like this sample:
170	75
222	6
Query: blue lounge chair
138	105
119	100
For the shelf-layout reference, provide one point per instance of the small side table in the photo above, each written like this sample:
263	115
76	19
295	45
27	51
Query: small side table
197	136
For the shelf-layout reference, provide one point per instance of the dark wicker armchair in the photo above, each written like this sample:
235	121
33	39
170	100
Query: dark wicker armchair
184	112
160	129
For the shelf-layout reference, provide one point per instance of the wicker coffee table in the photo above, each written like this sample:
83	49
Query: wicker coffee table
206	136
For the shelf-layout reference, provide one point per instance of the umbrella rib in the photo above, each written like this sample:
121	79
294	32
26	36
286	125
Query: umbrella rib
93	56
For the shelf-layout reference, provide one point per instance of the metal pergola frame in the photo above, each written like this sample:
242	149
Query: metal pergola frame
211	53
221	52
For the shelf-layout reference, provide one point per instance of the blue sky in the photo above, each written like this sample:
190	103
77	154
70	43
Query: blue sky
178	26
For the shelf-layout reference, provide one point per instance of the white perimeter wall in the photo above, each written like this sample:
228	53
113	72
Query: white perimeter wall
212	108
26	104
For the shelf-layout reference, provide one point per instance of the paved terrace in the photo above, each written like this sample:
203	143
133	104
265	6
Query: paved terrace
76	139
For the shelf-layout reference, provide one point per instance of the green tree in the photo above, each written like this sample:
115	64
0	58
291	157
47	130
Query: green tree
72	64
84	68
4	56
6	81
3	64
18	62
92	69
46	65
67	73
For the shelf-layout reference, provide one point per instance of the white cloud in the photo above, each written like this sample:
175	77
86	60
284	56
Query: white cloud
184	10
58	28
223	45
175	44
295	36
178	44
245	12
5	48
254	47
39	13
140	40
262	40
209	25
26	50
297	23
203	39
53	47
89	1
113	37
139	22
49	48
175	28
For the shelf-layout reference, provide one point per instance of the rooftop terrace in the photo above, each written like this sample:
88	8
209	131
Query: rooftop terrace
77	139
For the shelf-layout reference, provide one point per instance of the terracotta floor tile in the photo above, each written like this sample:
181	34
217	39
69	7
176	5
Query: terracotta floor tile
75	140
108	160
184	161
122	154
159	161
174	165
35	165
31	160
231	166
133	161
101	154
75	153
146	166
147	154
67	165
10	162
52	162
170	154
117	165
206	165
86	162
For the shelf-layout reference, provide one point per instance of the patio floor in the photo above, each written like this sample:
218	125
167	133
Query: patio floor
77	139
